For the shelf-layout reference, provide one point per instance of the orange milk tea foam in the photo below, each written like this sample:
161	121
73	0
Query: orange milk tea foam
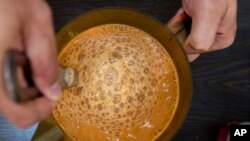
127	90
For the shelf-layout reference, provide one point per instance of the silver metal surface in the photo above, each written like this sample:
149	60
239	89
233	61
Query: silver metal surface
14	59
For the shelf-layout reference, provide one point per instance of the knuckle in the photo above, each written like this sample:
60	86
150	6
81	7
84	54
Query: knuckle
228	42
47	11
44	14
45	7
200	45
227	39
47	16
231	37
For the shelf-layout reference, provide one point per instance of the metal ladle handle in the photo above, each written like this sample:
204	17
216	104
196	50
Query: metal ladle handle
15	59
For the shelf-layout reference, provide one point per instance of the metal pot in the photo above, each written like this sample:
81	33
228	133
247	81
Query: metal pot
165	35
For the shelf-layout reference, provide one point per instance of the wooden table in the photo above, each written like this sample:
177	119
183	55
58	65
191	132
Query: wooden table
221	79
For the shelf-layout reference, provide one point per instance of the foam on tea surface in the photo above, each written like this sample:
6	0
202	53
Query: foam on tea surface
127	86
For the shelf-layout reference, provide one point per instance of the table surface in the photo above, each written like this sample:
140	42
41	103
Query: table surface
221	79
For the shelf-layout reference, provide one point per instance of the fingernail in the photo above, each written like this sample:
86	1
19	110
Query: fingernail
54	91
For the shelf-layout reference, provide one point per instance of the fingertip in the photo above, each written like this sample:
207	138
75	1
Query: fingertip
192	57
198	43
53	91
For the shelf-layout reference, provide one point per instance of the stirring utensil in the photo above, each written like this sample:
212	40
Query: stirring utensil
16	61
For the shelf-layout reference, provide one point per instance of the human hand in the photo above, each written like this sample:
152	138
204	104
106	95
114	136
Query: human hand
26	26
213	27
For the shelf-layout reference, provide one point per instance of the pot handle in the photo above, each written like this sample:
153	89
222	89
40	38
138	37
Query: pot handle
180	25
17	65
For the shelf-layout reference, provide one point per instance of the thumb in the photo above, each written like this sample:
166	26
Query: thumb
41	50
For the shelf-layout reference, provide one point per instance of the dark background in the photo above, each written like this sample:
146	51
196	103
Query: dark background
221	79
